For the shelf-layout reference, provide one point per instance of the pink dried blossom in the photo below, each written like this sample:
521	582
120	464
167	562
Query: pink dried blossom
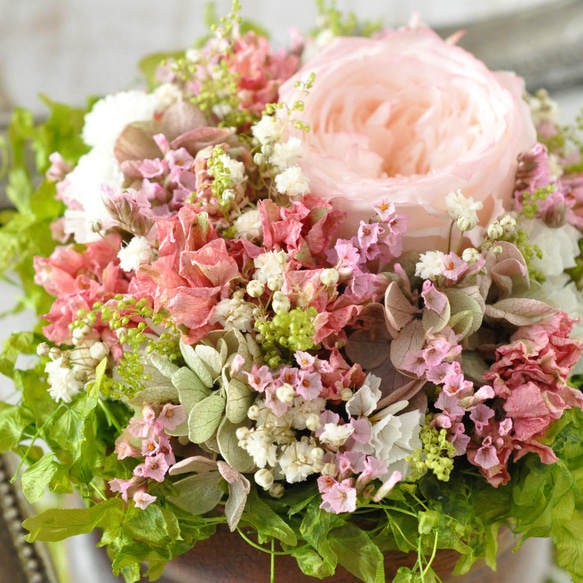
171	416
142	499
154	468
337	497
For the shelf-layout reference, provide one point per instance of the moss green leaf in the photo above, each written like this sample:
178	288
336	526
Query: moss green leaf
204	418
239	398
228	443
198	494
191	390
195	363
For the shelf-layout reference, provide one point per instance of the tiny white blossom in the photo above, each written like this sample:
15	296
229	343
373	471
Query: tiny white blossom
365	400
508	223
292	182
255	288
281	303
459	205
259	445
286	155
63	382
270	265
429	265
166	95
194	55
135	254
285	393
248	225
236	169
329	276
471	255
264	478
233	313
99	351
295	462
465	223
336	434
495	230
267	129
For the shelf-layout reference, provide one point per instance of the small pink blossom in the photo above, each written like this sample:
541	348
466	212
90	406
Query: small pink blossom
171	416
154	468
481	415
337	497
142	499
373	468
309	385
453	267
125	487
433	298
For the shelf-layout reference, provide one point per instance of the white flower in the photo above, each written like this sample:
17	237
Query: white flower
233	313
281	303
292	182
264	478
62	380
365	400
329	276
395	437
236	169
136	253
459	205
286	155
336	434
194	55
267	129
495	230
304	411
248	225
110	115
270	265
166	95
429	265
99	351
559	246
259	445
255	288
543	108
296	462
471	255
285	393
83	186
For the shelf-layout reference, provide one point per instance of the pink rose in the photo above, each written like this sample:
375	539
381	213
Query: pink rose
410	117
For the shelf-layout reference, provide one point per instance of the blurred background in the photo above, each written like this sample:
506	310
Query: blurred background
69	49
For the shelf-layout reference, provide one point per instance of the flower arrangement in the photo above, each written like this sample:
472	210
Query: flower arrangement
327	296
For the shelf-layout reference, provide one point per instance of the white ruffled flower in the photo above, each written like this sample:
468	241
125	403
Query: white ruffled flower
63	382
303	412
296	463
236	169
84	186
292	182
286	155
267	129
336	435
365	400
259	445
429	265
110	115
136	253
233	313
248	225
270	265
459	205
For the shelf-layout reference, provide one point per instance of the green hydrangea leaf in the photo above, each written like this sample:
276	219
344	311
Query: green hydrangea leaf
195	363
568	539
198	494
239	398
205	417
13	421
191	390
154	525
228	444
37	478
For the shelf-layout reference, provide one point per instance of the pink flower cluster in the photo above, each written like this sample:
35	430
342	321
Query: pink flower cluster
146	439
530	382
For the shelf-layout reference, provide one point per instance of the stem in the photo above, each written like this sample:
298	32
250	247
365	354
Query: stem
432	555
109	415
260	548
12	480
97	491
272	561
449	236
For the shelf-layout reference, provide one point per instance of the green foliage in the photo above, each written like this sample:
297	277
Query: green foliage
345	25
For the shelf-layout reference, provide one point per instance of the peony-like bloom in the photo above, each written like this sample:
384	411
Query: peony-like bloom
409	117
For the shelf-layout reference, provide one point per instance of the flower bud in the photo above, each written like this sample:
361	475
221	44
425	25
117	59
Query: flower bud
346	394
471	255
329	276
259	159
285	393
55	353
81	332
317	454
275	283
267	150
495	231
229	195
264	478
508	223
242	433
329	469
465	223
43	349
99	351
281	303
313	422
254	412
277	490
255	288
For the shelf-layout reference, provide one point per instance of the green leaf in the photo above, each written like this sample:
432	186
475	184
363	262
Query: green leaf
211	359
59	524
229	447
239	398
13	347
154	525
568	539
13	421
357	553
194	362
198	494
191	389
466	313
37	478
311	563
205	417
266	522
148	65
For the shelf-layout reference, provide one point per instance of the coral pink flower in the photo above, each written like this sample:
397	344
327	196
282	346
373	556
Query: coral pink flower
337	496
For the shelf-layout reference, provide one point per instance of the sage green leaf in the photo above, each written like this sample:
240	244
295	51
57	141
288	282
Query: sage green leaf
461	302
58	524
158	389
267	523
434	321
229	447
211	358
519	311
198	494
311	563
204	418
190	388
163	365
239	398
357	553
410	339
195	363
238	492
37	478
473	366
196	463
